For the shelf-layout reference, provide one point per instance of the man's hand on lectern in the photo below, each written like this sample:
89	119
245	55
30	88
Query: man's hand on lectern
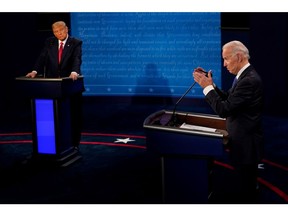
31	74
74	75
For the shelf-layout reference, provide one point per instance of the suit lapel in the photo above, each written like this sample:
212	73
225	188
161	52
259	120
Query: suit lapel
245	72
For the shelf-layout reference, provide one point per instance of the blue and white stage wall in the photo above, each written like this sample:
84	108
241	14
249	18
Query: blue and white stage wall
147	53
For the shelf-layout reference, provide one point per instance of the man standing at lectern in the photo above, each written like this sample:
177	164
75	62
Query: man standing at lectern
242	107
62	57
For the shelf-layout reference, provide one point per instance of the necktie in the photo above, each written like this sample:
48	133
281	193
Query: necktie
60	52
234	82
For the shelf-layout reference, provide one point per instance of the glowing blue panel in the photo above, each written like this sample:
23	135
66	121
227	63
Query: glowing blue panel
45	126
147	53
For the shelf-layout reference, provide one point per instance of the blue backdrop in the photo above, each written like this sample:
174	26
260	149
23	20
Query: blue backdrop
147	54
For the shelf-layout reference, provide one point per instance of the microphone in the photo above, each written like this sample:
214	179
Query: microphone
173	120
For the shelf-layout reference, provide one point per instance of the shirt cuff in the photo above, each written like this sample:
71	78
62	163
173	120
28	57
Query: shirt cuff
207	89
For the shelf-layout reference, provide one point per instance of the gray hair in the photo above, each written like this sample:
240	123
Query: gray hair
237	47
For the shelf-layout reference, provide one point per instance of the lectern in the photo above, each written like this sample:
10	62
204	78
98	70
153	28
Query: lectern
186	148
51	112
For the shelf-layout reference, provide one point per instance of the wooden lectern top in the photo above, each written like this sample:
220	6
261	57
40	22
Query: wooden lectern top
193	133
39	87
187	123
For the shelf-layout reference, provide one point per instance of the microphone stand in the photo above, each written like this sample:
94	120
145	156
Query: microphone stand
173	119
45	65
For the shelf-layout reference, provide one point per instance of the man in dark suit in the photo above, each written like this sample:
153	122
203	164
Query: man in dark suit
242	107
62	57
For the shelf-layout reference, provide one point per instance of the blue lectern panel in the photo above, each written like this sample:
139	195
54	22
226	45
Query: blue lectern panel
45	126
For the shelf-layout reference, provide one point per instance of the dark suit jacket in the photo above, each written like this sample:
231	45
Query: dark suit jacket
242	107
47	63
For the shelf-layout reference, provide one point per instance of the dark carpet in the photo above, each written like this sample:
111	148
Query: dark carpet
112	172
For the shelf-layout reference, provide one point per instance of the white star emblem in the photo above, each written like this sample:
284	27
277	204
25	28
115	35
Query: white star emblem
124	140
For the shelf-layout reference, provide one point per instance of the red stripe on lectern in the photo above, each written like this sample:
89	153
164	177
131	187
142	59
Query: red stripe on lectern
112	144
